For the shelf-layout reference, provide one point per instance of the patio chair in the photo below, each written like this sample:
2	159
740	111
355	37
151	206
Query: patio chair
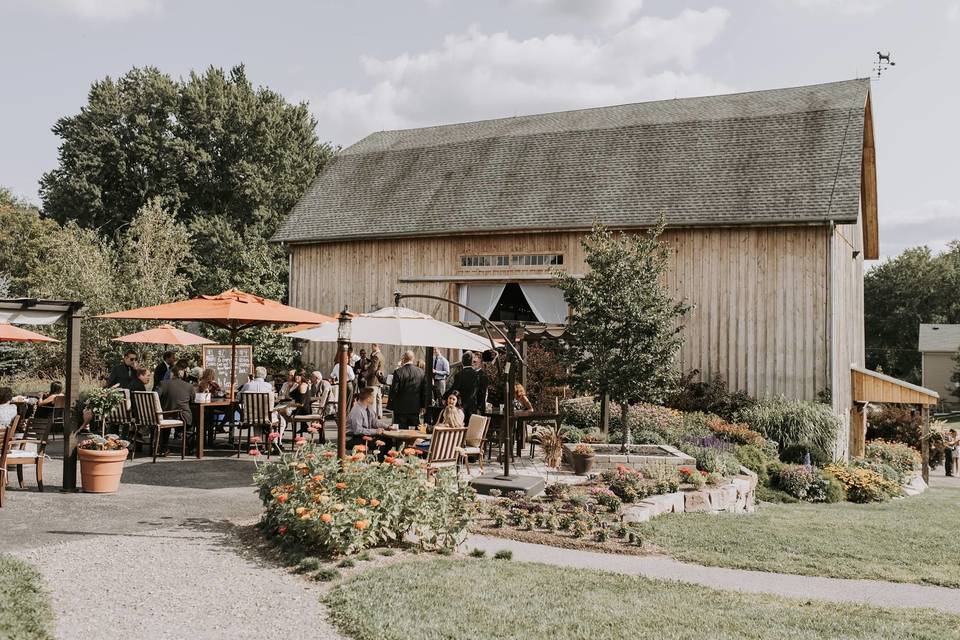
445	447
30	449
475	440
121	419
59	405
6	437
256	415
150	418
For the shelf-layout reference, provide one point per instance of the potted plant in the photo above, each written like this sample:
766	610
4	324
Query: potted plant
582	457
101	463
101	402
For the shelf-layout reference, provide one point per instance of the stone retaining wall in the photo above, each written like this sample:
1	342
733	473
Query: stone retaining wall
737	496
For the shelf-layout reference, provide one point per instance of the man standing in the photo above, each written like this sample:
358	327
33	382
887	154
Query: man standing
482	383
176	394
374	378
949	448
407	391
441	371
466	383
121	375
164	369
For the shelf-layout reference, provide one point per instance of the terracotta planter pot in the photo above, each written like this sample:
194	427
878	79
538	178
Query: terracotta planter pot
100	471
581	464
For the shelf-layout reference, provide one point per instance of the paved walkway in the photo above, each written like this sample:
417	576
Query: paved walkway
873	592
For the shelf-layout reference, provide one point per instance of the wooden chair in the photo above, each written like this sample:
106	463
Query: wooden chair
30	449
475	440
150	418
445	448
6	437
256	414
121	419
59	410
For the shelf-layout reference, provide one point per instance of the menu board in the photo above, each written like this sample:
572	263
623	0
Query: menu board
217	357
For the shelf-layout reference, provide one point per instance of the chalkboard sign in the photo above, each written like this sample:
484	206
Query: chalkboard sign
217	357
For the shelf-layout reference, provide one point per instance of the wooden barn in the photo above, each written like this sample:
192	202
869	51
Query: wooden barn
769	198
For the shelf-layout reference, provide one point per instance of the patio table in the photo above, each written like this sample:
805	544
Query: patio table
201	420
406	435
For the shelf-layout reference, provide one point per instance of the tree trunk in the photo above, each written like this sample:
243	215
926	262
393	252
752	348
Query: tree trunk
624	409
604	413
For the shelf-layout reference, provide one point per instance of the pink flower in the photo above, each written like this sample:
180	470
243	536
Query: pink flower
273	436
255	440
300	440
254	452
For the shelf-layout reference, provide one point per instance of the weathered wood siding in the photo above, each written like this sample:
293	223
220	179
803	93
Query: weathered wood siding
759	294
846	299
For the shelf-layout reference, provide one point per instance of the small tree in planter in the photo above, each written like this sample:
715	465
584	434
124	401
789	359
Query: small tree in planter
624	329
101	402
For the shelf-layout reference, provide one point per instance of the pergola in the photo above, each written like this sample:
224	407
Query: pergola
36	311
873	387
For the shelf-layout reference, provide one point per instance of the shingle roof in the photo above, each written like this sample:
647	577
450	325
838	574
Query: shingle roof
779	156
939	337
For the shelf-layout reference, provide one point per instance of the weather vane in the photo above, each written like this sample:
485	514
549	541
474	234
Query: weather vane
884	61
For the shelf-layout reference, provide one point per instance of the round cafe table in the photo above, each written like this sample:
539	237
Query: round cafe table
406	436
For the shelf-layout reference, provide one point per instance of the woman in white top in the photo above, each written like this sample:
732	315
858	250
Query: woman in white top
8	410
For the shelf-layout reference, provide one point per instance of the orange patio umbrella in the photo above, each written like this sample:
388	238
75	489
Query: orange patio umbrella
165	334
233	310
10	333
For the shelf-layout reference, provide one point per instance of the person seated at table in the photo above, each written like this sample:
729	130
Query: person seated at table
140	382
520	400
301	393
8	410
176	394
287	386
208	382
320	390
362	420
48	400
452	414
259	384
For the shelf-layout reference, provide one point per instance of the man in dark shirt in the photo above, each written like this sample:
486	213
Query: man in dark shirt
140	382
121	375
467	384
406	392
176	394
163	370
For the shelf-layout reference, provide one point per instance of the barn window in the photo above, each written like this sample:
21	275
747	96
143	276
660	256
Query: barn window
527	260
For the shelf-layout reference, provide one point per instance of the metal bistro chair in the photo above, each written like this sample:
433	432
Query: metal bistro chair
151	418
256	414
6	437
475	440
445	447
30	449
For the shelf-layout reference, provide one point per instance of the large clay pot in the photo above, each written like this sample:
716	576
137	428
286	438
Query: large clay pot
582	464
100	471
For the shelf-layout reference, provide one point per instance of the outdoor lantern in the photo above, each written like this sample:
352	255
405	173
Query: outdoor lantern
343	328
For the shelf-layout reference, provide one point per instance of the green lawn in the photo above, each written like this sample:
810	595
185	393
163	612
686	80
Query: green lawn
908	540
25	612
503	600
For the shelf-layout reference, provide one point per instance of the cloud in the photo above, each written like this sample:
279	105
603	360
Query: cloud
848	7
933	224
105	10
476	75
606	13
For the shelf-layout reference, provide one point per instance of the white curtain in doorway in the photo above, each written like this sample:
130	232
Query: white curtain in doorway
546	302
482	297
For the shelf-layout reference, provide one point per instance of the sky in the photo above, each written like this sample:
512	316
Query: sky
368	65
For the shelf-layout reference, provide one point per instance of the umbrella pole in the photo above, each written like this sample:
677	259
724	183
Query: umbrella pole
342	403
233	361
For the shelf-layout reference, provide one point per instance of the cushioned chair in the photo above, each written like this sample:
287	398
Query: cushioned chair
30	449
6	437
151	418
475	440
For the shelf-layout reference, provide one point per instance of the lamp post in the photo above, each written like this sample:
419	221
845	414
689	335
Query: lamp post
343	345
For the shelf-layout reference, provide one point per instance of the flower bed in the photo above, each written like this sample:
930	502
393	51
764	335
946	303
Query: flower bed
329	509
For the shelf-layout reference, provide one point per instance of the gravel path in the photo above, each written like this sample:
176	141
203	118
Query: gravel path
874	592
175	583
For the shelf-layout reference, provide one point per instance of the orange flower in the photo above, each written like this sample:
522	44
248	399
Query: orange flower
380	443
393	453
389	459
374	502
367	438
341	485
328	454
300	510
318	477
326	518
282	498
357	457
361	524
411	451
361	501
360	447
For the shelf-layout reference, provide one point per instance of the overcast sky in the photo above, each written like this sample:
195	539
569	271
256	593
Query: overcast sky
365	65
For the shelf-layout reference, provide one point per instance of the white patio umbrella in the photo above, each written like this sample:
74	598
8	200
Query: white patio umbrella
399	326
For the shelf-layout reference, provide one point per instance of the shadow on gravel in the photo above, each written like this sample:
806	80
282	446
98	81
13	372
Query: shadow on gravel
245	541
192	474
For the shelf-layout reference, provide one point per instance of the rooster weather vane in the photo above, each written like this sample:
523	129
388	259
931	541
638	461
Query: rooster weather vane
884	61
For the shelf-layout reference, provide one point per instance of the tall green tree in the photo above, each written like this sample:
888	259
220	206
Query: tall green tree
625	328
901	293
